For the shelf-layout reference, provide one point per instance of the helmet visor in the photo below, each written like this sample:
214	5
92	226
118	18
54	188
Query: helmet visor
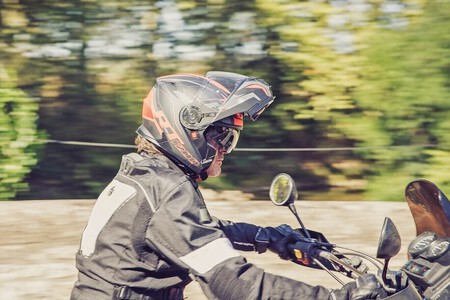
222	137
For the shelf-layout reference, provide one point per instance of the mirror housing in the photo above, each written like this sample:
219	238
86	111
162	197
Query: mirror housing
390	242
282	190
284	193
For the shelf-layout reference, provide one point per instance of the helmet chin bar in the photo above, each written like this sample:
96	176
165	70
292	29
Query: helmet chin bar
202	175
193	174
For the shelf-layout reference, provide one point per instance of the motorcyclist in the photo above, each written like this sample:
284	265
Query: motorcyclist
150	233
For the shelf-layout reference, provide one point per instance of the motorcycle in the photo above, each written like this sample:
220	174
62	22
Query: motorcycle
426	274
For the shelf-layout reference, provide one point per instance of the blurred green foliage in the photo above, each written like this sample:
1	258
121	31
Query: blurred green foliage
18	134
371	74
407	94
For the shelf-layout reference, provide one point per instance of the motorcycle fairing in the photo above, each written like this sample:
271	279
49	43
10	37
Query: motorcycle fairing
429	206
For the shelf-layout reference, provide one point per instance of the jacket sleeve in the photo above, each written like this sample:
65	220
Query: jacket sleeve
183	233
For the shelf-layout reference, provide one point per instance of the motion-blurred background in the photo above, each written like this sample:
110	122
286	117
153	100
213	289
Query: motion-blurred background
362	87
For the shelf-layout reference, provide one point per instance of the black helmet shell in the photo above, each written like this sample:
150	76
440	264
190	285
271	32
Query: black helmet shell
179	108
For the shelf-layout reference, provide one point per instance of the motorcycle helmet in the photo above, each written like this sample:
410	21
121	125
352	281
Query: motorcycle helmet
182	110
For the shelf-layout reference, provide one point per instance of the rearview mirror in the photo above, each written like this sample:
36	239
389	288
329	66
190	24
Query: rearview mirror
389	245
390	242
284	193
283	190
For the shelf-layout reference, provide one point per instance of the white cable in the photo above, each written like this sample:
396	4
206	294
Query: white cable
91	144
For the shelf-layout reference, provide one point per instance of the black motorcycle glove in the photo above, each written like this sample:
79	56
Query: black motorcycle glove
268	237
366	286
277	239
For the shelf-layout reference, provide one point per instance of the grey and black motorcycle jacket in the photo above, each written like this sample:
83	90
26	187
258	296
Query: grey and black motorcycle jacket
150	232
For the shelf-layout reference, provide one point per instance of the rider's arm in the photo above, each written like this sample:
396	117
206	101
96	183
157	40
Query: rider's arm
178	232
249	237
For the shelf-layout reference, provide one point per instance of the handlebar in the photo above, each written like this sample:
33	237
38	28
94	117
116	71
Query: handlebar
325	251
325	254
321	255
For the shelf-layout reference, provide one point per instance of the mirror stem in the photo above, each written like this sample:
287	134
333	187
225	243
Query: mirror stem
294	211
385	269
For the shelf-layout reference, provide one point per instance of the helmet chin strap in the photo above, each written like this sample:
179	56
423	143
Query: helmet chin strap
202	176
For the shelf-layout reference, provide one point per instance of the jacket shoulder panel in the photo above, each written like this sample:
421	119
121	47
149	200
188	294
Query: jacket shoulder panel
153	176
113	196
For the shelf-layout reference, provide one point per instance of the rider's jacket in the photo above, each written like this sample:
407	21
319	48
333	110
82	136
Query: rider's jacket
150	232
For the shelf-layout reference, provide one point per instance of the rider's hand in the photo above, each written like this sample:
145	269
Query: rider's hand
366	286
268	237
277	239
